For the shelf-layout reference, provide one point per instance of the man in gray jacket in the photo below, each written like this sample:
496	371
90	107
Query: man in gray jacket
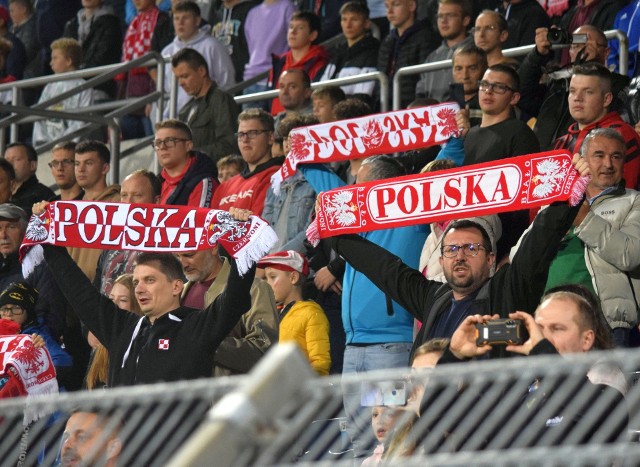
602	249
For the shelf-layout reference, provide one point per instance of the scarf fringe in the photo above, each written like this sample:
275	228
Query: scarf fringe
31	259
33	411
260	245
276	182
313	233
577	190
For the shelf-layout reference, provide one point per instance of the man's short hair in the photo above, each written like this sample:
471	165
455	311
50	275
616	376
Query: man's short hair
186	7
175	124
166	263
93	145
595	69
154	180
465	5
356	7
383	166
511	72
609	133
306	80
8	168
293	121
439	164
66	146
471	49
501	20
192	58
351	108
265	118
310	18
590	315
468	224
334	93
71	49
32	155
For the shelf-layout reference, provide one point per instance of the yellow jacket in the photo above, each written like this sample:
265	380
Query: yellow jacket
306	324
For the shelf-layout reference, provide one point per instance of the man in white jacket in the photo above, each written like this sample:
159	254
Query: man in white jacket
186	23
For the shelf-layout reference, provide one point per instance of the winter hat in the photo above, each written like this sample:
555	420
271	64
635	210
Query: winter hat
23	295
286	261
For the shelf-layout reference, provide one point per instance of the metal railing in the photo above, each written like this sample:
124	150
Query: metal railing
525	411
514	52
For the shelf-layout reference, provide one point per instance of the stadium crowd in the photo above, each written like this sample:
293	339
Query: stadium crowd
353	303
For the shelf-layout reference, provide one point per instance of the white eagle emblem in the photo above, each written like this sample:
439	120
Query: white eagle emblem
37	230
225	223
550	177
341	209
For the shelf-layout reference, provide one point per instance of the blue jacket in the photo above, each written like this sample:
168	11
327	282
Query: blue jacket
627	20
59	356
368	315
302	199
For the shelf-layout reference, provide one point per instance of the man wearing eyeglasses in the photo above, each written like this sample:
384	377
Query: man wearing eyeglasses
62	165
466	259
490	33
248	189
548	102
189	178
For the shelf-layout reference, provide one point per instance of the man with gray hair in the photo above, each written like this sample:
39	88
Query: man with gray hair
602	249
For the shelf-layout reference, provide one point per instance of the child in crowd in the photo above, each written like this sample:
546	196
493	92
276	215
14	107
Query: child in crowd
18	304
304	29
230	166
66	54
301	321
324	99
383	420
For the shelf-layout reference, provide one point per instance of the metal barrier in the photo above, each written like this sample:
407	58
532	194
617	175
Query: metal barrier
519	411
514	52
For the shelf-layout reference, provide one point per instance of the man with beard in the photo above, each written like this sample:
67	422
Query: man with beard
91	438
466	259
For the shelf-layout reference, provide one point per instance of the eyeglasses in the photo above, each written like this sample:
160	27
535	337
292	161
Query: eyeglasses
469	249
481	29
167	142
63	162
251	134
498	88
447	16
11	310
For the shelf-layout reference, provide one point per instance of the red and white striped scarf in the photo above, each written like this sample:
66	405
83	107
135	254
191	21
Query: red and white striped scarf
137	40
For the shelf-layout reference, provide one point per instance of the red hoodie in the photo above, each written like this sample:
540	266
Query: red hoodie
572	141
313	63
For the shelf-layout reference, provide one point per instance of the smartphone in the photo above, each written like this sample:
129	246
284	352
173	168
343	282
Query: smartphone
501	332
385	393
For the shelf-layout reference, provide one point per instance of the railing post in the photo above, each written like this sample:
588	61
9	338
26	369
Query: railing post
16	94
173	97
114	143
160	88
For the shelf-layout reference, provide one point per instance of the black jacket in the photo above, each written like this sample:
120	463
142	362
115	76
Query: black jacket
30	192
517	286
178	345
523	20
412	48
602	16
362	54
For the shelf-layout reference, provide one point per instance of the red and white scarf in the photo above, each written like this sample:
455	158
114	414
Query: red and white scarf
28	369
507	185
137	40
357	138
144	227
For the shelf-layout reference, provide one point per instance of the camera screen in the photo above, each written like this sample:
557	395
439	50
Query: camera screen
387	393
579	38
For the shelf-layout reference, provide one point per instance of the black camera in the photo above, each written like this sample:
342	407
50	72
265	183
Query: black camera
559	36
501	332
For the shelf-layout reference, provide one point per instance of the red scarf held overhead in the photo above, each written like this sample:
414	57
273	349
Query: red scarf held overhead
358	138
477	190
144	227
